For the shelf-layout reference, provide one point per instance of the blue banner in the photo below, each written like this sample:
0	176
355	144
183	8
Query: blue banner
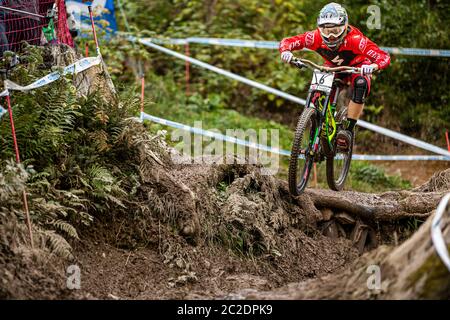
103	10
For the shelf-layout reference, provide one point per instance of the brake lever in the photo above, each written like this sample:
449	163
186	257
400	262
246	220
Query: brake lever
298	63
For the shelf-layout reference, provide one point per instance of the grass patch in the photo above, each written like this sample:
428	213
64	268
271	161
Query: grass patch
370	178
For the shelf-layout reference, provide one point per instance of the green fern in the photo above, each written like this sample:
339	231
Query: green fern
66	227
56	243
76	149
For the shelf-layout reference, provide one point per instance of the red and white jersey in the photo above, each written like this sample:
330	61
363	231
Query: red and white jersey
356	49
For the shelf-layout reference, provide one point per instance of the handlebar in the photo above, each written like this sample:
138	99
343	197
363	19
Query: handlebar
303	63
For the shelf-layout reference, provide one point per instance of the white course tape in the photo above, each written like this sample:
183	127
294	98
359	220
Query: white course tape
390	133
221	71
274	45
404	138
436	232
177	125
74	68
214	135
400	158
3	111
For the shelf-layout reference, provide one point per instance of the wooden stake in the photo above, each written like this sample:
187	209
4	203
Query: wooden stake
187	52
16	149
93	30
142	92
315	175
448	140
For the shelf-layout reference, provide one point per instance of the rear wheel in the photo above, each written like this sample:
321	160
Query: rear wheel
301	161
338	165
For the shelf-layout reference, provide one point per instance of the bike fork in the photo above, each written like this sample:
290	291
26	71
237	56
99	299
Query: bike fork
321	114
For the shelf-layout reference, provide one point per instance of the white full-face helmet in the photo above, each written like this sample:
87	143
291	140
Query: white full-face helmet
333	23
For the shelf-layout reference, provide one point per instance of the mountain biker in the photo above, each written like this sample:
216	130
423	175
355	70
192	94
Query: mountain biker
341	44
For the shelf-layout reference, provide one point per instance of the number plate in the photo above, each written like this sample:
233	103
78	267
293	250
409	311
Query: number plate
322	81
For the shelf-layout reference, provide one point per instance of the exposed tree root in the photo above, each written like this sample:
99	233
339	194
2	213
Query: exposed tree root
389	206
412	270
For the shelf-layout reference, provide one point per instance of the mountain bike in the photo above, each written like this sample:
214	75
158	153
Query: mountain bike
315	134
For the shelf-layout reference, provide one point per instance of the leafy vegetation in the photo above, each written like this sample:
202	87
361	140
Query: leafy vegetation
75	153
368	177
412	92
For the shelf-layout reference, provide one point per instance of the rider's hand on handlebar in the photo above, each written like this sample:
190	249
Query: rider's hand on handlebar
368	69
286	56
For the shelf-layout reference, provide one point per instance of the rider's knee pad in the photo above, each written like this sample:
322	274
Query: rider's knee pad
360	90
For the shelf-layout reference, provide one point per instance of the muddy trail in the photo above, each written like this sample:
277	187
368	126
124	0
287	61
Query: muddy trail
224	231
241	235
209	230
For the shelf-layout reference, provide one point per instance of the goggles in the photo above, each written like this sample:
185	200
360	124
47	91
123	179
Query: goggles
334	31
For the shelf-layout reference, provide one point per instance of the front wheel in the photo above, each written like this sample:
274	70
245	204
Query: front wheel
301	161
338	165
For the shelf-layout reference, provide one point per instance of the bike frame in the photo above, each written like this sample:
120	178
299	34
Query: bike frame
324	111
